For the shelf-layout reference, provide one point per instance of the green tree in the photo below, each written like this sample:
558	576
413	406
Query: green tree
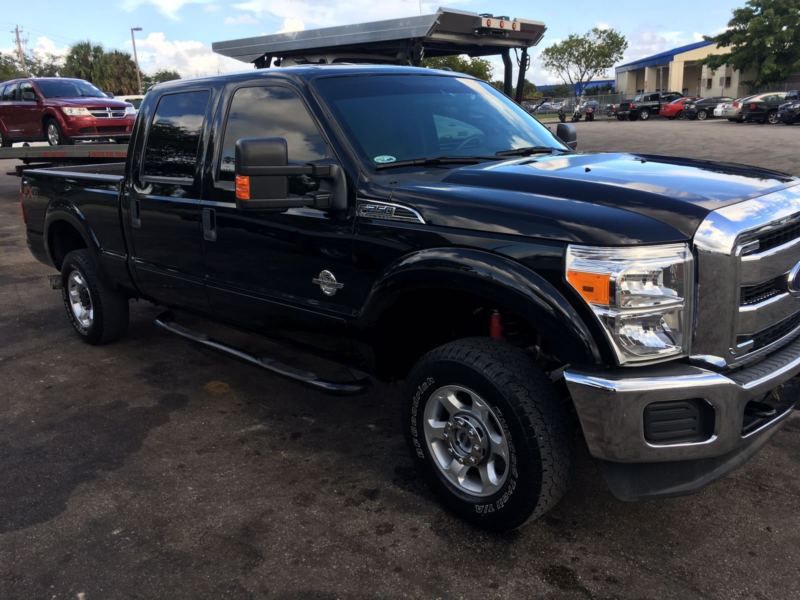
9	67
159	77
82	60
48	65
477	67
115	72
763	36
580	58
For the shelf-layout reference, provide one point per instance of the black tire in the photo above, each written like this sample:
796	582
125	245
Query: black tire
772	117
644	114
633	116
59	139
4	141
620	118
702	115
533	418
109	308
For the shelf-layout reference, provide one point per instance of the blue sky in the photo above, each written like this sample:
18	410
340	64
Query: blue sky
178	33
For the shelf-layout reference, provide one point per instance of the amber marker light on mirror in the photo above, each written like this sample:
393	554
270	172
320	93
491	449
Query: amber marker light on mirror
242	187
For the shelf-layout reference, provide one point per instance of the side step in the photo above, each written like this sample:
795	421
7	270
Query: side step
166	321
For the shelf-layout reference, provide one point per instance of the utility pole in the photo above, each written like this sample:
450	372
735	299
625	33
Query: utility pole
136	58
20	50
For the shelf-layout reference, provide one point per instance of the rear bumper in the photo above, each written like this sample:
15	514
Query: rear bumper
611	408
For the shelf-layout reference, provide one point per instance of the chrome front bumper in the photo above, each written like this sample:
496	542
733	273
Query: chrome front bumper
610	406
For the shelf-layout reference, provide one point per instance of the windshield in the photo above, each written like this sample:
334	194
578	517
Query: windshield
392	118
68	88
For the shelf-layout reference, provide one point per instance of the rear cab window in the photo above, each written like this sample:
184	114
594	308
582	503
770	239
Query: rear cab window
173	139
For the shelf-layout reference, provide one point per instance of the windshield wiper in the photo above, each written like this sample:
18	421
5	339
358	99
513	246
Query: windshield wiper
435	160
528	150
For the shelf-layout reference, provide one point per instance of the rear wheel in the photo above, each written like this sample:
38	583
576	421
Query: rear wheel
702	115
772	117
98	313
55	136
644	114
4	141
489	432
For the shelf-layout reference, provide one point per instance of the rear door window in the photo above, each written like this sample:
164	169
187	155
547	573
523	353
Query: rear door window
26	87
173	141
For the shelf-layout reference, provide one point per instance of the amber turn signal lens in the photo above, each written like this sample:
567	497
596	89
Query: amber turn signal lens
242	187
594	287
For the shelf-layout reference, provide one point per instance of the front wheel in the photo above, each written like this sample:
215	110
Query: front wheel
644	114
98	313
55	136
702	115
489	432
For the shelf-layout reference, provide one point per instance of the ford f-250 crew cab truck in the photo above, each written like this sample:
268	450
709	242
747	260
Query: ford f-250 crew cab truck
523	292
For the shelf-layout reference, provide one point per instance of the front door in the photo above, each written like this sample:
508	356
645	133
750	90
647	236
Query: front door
262	265
164	210
29	112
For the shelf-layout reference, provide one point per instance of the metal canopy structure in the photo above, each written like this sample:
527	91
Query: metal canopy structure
408	40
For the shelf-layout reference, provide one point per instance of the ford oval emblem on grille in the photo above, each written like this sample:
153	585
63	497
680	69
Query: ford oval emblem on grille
793	281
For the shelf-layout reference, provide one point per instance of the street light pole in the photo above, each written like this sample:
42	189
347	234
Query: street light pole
136	58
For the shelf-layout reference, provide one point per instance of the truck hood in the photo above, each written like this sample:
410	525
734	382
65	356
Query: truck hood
87	102
608	199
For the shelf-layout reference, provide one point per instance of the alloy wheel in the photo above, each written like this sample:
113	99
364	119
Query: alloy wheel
80	299
466	441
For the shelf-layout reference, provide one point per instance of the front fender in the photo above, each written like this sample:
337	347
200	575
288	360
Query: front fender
496	278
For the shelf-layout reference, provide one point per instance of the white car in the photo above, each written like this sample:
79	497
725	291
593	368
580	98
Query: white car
136	100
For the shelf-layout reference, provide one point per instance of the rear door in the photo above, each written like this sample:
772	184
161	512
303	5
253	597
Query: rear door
164	191
9	113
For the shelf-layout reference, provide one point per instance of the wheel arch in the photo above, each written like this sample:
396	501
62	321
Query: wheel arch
429	291
65	230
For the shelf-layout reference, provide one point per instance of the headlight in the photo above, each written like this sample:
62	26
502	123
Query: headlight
130	110
795	106
76	112
641	296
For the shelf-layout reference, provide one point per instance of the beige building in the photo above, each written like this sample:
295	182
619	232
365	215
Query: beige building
681	70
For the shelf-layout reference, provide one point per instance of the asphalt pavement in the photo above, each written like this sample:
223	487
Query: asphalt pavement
152	468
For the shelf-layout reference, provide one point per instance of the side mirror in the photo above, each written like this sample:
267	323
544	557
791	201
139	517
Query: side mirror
262	176
28	96
567	133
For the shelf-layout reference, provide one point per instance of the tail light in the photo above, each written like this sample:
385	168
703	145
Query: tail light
735	105
632	105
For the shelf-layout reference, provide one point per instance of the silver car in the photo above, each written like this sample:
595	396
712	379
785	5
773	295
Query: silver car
732	110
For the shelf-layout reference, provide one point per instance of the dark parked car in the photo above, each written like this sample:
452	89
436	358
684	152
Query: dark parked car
764	108
703	108
421	226
60	110
644	106
789	112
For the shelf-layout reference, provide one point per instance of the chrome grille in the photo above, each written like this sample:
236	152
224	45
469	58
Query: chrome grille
745	254
107	113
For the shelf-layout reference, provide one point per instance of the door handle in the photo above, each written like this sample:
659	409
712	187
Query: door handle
209	225
136	213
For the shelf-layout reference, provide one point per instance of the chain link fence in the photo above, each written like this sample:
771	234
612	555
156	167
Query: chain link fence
547	108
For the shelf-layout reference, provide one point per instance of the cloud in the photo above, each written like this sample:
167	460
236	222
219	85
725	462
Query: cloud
243	19
189	57
168	8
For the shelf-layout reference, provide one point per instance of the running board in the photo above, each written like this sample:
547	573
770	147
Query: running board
166	321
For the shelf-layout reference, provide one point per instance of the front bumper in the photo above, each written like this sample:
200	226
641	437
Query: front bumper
93	127
611	408
789	115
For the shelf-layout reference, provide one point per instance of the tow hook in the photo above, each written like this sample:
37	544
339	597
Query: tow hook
55	282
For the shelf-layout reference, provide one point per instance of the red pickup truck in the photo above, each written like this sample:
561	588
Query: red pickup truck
60	110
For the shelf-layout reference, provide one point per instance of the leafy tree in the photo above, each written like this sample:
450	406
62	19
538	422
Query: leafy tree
49	65
477	67
159	77
9	67
580	58
763	36
82	60
115	72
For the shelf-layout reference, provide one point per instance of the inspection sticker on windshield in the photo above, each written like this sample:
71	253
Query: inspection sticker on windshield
383	159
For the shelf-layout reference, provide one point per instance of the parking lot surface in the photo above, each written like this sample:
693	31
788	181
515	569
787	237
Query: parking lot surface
152	468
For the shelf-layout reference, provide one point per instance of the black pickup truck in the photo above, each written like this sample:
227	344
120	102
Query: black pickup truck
644	106
525	293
